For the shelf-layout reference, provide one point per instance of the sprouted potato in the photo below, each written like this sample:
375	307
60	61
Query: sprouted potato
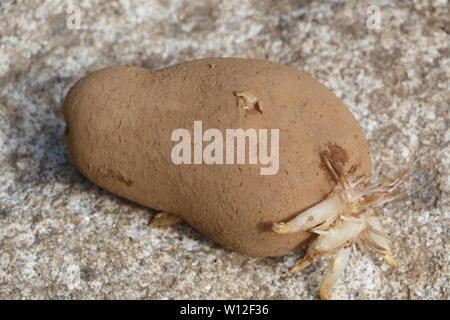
121	126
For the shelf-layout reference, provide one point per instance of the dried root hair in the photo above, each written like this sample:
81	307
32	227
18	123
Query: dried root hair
346	217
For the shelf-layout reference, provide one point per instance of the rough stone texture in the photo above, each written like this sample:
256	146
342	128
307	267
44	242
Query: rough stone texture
63	237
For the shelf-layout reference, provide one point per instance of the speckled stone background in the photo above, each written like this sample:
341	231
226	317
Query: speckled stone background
63	237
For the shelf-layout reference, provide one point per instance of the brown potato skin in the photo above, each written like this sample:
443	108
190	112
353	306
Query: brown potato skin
119	126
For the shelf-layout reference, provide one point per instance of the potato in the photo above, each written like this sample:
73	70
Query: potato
120	135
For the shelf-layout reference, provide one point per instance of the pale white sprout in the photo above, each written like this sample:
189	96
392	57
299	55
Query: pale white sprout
347	216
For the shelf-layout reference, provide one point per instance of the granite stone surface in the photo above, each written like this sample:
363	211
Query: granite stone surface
63	237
